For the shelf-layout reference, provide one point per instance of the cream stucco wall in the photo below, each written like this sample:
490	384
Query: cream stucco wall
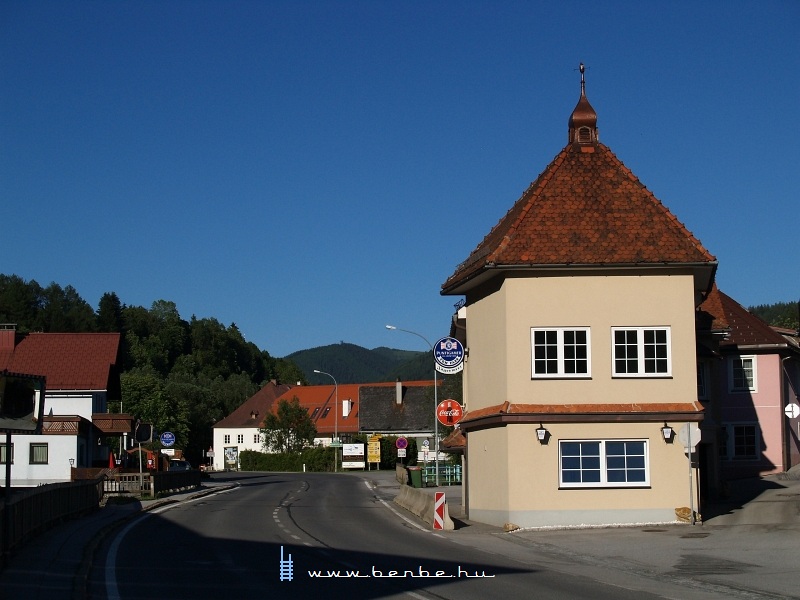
514	479
532	497
499	338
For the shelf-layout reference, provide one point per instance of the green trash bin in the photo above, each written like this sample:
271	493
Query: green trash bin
415	477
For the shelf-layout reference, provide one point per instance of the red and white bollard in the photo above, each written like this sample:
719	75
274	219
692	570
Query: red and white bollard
438	510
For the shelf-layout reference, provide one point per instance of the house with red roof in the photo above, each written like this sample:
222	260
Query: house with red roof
579	327
749	383
81	374
338	411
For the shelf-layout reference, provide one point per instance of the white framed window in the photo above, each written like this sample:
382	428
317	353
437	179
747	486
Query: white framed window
257	438
561	352
603	463
641	352
702	381
240	438
4	453
742	374
226	439
39	454
742	442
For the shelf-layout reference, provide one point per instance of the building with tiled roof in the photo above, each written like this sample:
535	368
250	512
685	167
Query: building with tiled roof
81	374
578	321
337	411
239	430
749	387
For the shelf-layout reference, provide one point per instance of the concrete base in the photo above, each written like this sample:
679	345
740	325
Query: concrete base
421	503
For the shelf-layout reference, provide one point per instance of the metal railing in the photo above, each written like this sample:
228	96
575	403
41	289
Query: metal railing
448	475
30	512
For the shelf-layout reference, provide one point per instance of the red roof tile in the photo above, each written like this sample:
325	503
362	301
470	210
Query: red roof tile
586	208
252	412
580	409
69	361
746	329
320	401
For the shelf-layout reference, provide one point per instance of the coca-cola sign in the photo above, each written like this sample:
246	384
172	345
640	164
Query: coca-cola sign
449	412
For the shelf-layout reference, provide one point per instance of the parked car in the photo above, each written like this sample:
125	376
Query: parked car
180	465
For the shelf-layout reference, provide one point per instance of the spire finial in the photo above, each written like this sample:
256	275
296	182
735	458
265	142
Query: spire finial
583	121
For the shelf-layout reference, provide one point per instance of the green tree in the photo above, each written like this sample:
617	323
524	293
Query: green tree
288	429
109	314
19	301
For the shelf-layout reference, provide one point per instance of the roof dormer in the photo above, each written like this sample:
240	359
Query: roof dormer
583	120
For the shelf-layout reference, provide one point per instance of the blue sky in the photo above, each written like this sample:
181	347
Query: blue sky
314	170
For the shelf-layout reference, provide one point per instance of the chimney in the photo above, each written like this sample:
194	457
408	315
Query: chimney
398	392
8	335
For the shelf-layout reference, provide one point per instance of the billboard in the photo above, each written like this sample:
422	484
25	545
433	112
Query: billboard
21	403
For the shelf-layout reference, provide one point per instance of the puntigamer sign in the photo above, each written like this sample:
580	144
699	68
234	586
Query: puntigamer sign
448	354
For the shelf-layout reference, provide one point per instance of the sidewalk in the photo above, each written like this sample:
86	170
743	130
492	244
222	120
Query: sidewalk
747	547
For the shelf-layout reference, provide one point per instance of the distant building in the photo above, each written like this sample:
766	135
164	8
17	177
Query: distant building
81	372
748	381
342	411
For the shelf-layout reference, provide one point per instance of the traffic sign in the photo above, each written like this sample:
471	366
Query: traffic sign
426	444
449	412
448	355
401	443
167	439
792	410
689	433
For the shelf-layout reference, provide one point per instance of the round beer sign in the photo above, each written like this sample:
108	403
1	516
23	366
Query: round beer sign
449	412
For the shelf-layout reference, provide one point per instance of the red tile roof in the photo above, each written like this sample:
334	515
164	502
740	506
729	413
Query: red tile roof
746	329
69	361
586	208
711	314
564	410
252	412
320	401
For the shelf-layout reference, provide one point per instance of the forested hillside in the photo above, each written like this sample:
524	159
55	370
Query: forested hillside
180	375
349	363
183	376
780	314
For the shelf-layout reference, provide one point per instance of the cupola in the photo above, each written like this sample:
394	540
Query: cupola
583	120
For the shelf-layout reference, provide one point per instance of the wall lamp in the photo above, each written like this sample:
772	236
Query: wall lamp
668	433
542	434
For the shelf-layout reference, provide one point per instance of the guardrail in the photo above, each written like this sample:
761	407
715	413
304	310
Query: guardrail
30	512
448	475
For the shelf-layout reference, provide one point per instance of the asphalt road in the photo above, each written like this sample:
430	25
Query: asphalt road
211	543
314	535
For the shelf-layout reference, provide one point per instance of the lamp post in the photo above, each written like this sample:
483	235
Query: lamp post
435	399
335	422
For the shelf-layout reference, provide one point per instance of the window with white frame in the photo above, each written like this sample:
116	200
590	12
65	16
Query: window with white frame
560	352
257	438
240	438
4	453
742	374
226	438
641	351
742	442
39	454
702	389
603	463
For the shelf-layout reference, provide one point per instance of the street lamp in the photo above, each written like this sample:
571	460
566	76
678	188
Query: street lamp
335	422
435	399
